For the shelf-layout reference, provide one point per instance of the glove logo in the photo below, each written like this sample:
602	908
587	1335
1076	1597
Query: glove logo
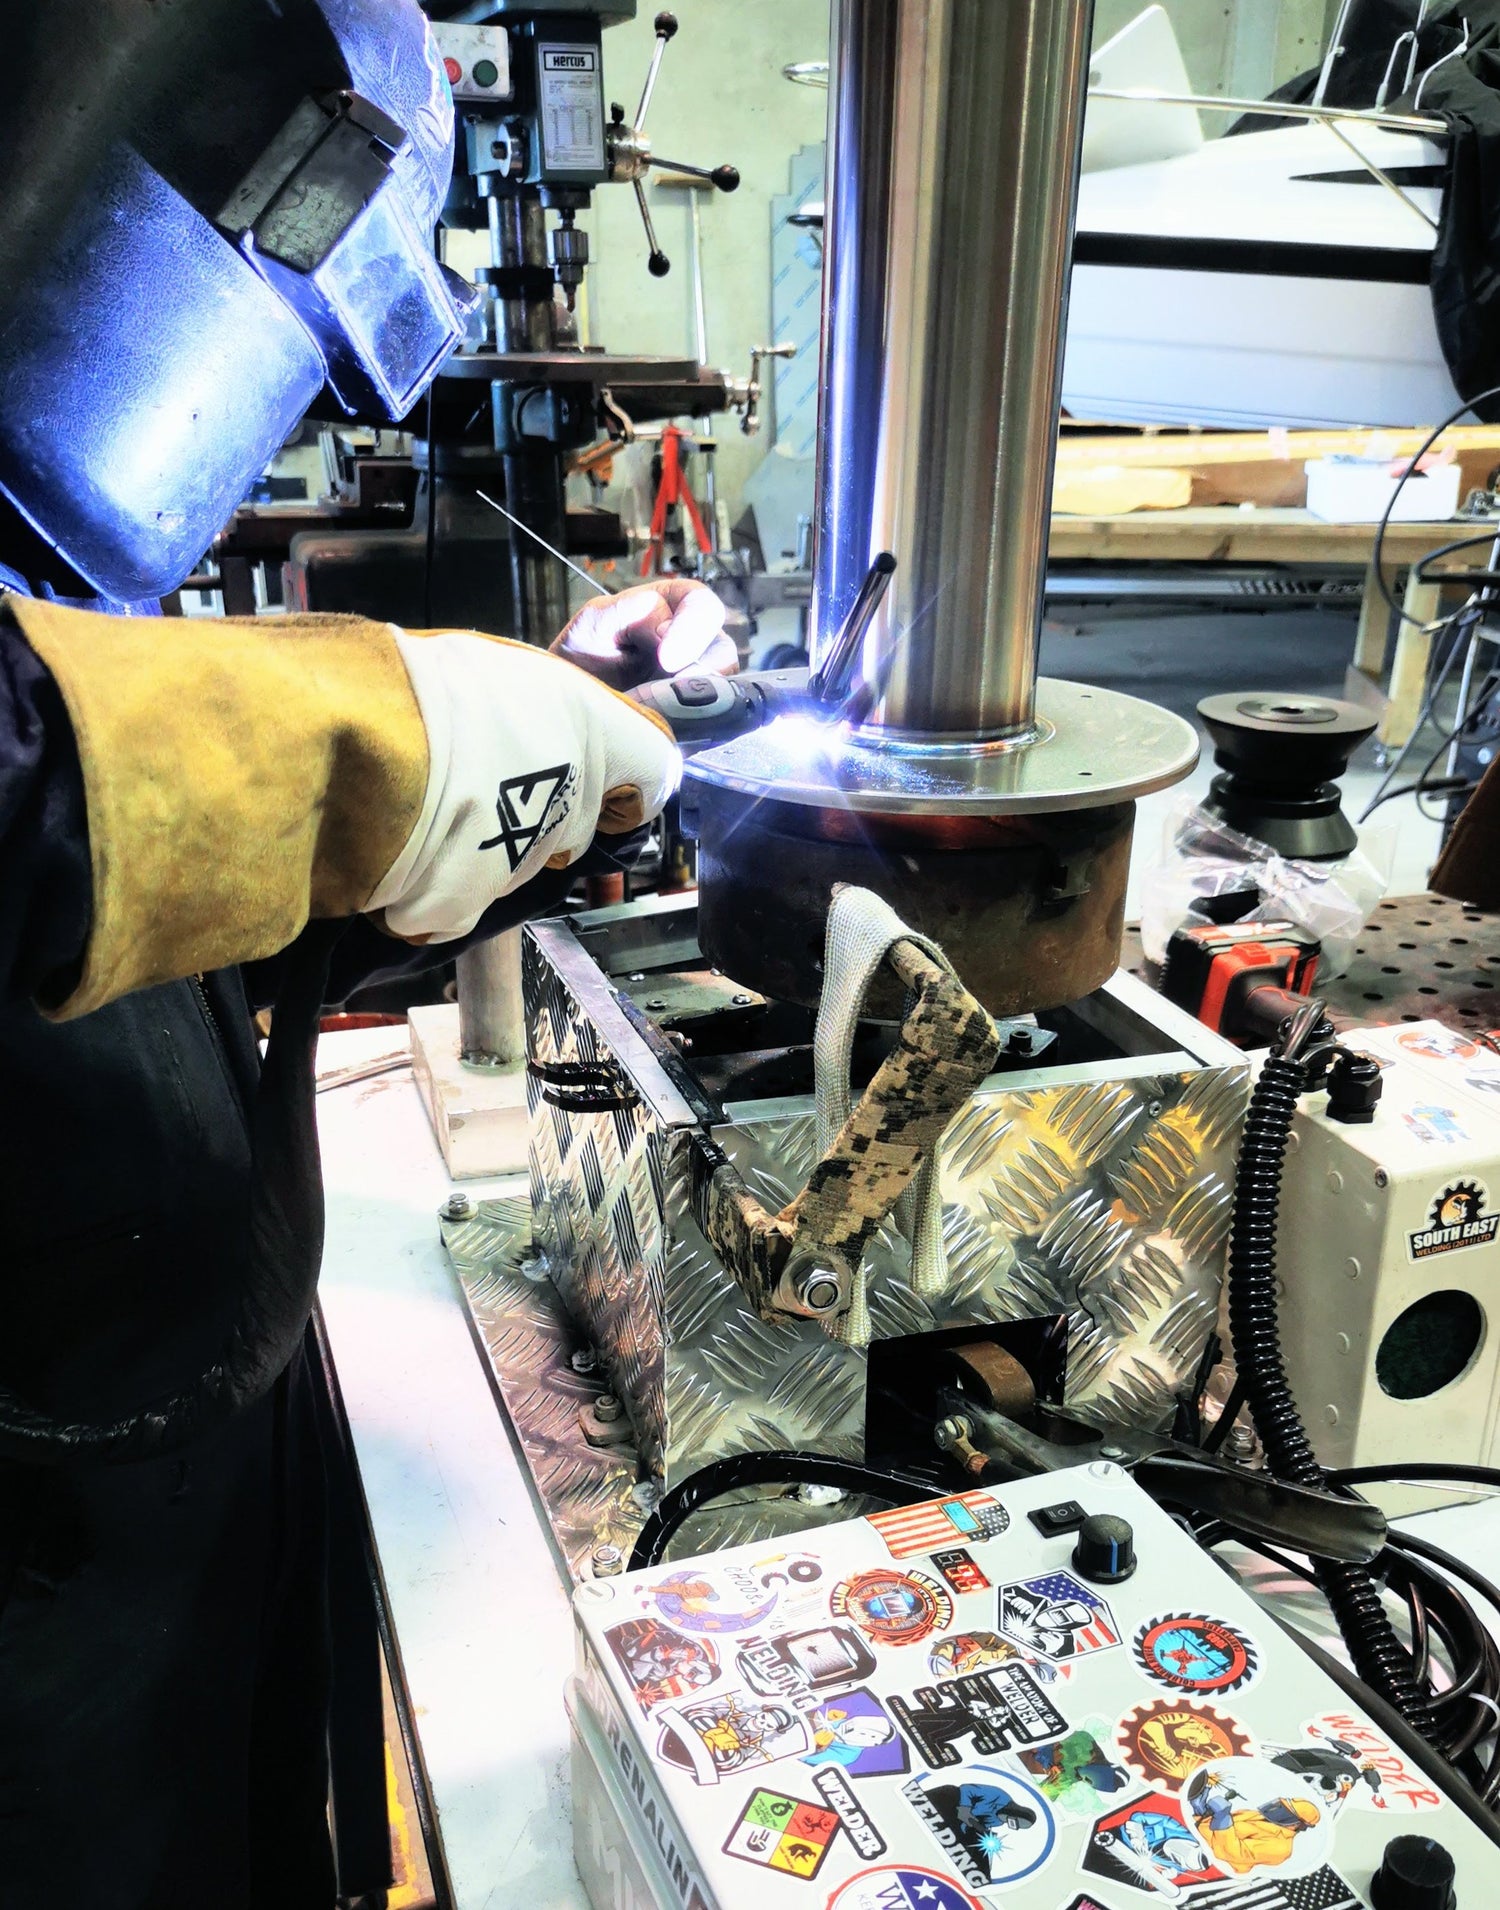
528	806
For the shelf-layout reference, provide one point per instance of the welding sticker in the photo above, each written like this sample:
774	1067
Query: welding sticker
1075	1771
1381	1778
1172	1740
893	1608
660	1663
997	1710
692	1601
717	1737
830	1785
1457	1218
960	1571
901	1887
783	1833
801	1663
1437	1044
1057	1616
1435	1126
1323	1889
1085	1900
1149	1844
965	1651
854	1732
1251	1814
527	807
1191	1652
992	1826
912	1529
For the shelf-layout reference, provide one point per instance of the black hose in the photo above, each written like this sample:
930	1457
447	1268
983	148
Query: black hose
768	1468
1351	1590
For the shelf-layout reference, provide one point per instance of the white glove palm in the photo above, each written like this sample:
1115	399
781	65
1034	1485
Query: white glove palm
529	758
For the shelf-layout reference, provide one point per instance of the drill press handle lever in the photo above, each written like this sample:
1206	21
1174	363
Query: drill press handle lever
631	158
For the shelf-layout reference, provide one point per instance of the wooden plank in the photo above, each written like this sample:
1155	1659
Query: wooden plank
1226	535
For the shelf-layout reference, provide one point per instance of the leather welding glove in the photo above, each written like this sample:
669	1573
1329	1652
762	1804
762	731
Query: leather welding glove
243	776
651	630
527	759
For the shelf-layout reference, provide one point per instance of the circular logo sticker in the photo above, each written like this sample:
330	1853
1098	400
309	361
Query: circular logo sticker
1169	1740
1190	1652
892	1608
1254	1816
901	1887
693	1602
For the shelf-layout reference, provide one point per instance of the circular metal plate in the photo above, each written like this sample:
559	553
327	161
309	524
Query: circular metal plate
1096	747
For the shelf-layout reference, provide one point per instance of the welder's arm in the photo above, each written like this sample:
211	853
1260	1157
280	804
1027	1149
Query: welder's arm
241	777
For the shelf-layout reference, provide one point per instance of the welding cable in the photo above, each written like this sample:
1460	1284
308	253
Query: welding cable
1351	1591
1384	588
772	1468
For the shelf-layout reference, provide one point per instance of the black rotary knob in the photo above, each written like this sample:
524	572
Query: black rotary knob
1416	1873
1105	1552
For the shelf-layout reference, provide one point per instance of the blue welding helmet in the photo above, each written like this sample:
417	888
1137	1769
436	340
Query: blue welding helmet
209	210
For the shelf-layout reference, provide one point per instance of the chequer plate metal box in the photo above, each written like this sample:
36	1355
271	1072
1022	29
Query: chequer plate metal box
1097	1188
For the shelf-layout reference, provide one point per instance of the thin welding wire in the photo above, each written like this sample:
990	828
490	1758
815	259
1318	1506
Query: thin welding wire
1424	716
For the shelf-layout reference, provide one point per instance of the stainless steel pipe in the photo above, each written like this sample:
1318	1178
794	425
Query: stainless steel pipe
491	1013
954	136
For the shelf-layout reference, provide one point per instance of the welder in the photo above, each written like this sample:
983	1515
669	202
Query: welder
197	817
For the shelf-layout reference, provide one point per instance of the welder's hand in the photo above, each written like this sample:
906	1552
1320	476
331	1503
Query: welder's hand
652	630
528	759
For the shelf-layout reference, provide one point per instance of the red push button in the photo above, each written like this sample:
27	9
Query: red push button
454	71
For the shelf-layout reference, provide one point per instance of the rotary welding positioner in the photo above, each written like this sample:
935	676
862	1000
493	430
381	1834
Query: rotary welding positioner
862	1173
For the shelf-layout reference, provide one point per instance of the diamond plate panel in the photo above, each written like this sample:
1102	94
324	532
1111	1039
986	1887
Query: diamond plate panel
1105	1200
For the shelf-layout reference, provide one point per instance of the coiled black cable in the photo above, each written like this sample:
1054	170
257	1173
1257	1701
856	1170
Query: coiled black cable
1351	1590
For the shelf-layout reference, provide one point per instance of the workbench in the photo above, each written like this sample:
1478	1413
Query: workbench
1241	534
480	1621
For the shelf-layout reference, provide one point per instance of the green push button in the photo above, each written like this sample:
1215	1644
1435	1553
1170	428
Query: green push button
485	72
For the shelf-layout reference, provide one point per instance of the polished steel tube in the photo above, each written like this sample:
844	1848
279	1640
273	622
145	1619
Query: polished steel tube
491	1015
954	134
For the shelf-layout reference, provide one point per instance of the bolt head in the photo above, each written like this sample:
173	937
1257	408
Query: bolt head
821	1292
456	1207
1382	1178
607	1408
608	1561
740	1001
1114	1452
584	1360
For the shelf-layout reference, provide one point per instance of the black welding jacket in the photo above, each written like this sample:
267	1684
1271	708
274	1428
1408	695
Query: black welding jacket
161	1572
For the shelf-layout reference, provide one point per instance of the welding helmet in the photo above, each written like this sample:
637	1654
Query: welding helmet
209	211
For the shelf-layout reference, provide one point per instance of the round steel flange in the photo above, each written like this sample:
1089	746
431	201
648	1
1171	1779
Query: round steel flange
1090	749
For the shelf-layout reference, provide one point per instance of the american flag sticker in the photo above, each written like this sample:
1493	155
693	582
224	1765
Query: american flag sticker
1057	1616
909	1530
1325	1889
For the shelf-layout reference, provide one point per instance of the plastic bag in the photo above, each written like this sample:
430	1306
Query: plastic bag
1204	858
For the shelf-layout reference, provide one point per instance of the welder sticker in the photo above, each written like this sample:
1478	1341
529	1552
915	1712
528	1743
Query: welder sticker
1456	1219
995	1710
1167	1739
718	1737
909	1530
893	1608
1190	1652
783	1833
697	1602
1435	1126
660	1663
1086	1900
829	1783
1075	1771
901	1887
1056	1616
1355	1764
961	1652
960	1570
991	1826
854	1732
1149	1844
799	1664
1253	1815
